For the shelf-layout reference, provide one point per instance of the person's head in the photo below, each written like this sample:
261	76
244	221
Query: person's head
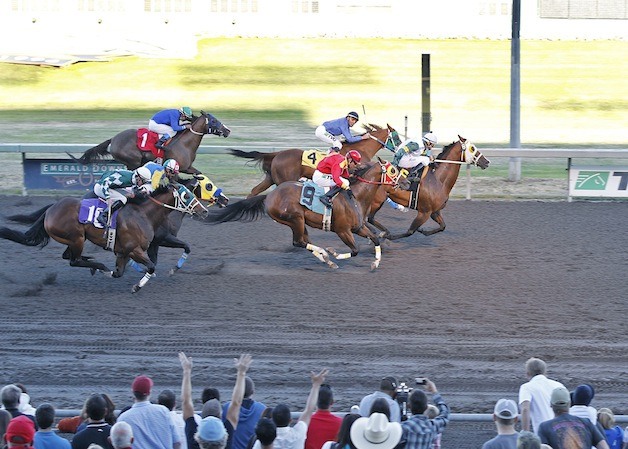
582	395
121	435
344	432
168	399
375	432
353	159
209	393
141	176
535	366
429	140
389	385
96	407
417	402
352	118
528	440
141	387
110	416
186	112
45	416
281	415
20	431
431	411
10	396
249	387
171	168
380	405
211	433
505	412
325	397
266	431
212	408
560	400
606	418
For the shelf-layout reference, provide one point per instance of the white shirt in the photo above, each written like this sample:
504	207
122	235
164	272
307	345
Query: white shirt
538	391
288	437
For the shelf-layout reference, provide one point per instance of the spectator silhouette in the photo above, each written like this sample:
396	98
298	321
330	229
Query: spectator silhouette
419	432
266	432
168	399
614	434
534	395
387	390
45	437
528	440
324	425
375	432
97	429
20	432
250	413
10	396
432	412
343	440
566	431
505	415
121	436
380	405
209	393
5	417
581	399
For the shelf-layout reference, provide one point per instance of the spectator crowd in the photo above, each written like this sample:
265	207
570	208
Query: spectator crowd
546	415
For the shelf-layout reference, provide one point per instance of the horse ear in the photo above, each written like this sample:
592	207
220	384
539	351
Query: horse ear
390	128
381	161
203	112
462	139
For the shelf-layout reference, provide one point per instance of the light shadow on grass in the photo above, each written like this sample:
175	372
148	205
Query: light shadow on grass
15	75
585	105
272	75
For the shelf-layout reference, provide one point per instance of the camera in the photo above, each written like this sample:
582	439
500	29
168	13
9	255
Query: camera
402	395
420	380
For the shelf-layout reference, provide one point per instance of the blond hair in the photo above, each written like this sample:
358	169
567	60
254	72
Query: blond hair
606	418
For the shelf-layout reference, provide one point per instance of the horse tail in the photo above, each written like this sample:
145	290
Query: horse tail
262	160
93	154
35	236
29	218
249	209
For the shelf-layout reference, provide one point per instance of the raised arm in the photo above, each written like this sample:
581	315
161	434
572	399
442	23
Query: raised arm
233	411
187	406
312	399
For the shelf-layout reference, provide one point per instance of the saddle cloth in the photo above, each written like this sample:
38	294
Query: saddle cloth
146	140
91	208
311	158
310	196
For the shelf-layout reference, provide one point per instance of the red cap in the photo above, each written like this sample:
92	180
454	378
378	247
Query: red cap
142	384
21	430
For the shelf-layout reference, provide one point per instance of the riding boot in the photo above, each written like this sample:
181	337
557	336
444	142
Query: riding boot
415	173
103	218
328	197
161	143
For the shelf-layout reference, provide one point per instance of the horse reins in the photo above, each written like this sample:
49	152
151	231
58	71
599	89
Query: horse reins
201	134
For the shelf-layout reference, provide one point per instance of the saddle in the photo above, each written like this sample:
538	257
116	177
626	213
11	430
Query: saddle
310	198
311	158
146	140
89	211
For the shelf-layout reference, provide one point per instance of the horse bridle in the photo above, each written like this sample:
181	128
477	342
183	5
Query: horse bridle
202	134
475	153
394	179
181	203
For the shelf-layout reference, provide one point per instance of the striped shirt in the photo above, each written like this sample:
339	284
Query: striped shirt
419	432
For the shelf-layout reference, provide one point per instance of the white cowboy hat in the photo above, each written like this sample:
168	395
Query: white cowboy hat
375	432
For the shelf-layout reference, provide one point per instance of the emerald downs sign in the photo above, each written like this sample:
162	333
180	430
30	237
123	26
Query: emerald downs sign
609	182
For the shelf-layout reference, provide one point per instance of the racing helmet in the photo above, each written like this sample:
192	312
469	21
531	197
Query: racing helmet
354	156
141	176
354	115
171	166
430	138
186	111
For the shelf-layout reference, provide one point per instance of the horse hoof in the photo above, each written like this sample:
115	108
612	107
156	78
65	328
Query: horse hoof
92	271
135	288
173	271
332	265
332	252
374	265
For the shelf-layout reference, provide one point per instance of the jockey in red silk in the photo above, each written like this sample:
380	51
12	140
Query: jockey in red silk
333	171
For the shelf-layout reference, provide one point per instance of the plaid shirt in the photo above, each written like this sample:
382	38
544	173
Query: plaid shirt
419	432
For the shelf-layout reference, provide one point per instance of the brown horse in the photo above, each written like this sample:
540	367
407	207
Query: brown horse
287	165
182	148
282	205
136	226
434	189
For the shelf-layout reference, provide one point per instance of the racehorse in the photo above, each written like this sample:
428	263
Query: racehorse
166	232
182	148
286	165
283	205
434	189
135	229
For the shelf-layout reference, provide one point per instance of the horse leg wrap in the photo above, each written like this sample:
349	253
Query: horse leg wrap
319	252
378	252
144	280
182	260
343	256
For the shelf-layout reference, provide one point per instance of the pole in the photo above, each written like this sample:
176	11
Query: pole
514	170
426	116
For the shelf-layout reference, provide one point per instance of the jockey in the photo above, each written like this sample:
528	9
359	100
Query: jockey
117	186
415	156
168	122
333	171
329	131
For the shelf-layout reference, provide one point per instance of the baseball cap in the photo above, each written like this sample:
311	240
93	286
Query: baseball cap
211	429
560	397
142	384
583	395
21	430
506	409
388	383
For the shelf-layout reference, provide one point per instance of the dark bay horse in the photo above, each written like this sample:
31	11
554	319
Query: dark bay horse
182	148
349	214
282	166
167	231
135	229
434	189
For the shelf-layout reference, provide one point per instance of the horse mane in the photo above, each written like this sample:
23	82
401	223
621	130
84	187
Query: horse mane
446	150
372	126
359	171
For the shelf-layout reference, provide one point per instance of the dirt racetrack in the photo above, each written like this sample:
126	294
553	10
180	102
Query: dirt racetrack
466	308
